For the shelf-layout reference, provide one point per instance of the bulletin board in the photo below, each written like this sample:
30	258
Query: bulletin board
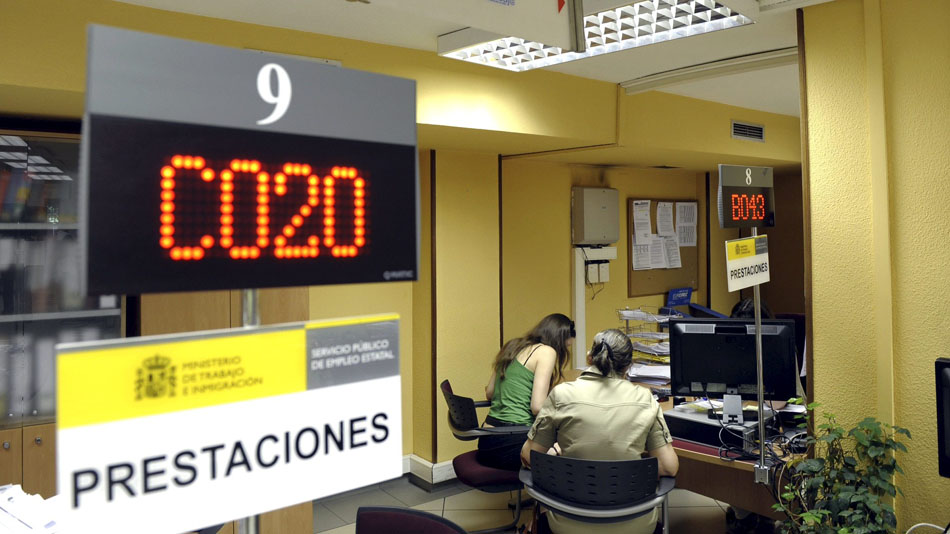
660	281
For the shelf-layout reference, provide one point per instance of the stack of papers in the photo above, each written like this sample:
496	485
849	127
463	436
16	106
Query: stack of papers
640	315
656	349
656	375
24	513
659	336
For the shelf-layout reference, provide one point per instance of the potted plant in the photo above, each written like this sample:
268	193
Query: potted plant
845	485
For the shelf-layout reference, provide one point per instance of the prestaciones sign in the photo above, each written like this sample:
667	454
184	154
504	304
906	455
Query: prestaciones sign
198	429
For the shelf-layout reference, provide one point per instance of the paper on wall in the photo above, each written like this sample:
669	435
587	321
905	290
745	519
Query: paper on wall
657	253
641	221
686	217
641	255
672	252
664	219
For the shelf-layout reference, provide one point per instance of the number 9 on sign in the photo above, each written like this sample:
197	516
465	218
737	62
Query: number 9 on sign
281	99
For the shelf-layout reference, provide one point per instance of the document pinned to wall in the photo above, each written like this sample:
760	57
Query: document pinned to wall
658	253
673	260
664	219
641	254
687	213
642	227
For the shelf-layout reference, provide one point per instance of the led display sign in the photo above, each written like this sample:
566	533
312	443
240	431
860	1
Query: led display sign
745	197
275	183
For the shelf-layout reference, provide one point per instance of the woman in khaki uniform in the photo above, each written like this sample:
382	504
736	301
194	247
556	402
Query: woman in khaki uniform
602	416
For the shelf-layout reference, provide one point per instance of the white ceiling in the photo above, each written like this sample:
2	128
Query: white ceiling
409	24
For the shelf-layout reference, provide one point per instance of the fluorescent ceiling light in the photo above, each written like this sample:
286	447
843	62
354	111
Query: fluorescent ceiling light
16	164
15	156
11	140
37	159
713	69
630	26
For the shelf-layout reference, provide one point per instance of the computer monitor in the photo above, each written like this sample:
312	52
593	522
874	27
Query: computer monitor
715	357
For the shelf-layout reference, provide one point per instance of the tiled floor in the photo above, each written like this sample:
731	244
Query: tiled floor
473	510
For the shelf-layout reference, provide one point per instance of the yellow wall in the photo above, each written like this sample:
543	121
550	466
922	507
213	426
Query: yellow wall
877	123
842	252
536	240
44	56
916	81
466	279
687	130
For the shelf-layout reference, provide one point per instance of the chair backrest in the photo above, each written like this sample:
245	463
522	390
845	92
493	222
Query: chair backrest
462	415
594	483
388	520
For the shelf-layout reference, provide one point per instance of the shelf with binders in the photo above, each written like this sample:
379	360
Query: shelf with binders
41	303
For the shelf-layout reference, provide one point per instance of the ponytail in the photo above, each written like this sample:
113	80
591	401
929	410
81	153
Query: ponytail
611	352
601	356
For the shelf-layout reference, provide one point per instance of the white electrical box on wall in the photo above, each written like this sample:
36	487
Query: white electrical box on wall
594	216
593	273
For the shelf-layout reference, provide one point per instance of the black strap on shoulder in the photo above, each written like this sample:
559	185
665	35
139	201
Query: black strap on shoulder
536	347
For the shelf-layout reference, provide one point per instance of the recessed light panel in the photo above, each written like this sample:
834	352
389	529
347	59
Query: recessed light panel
630	26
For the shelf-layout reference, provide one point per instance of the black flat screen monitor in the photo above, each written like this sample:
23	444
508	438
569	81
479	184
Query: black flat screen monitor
712	357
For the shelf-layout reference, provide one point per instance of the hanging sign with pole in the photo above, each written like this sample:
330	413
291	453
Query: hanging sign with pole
745	200
206	167
202	168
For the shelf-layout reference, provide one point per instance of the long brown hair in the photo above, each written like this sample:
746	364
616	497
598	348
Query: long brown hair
553	331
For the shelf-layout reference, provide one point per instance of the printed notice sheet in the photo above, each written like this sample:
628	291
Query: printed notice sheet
686	217
641	221
664	219
672	252
641	254
658	253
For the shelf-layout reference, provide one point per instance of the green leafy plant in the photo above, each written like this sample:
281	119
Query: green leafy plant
846	485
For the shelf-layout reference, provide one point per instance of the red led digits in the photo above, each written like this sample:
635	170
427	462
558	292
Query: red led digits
171	175
343	176
297	220
247	203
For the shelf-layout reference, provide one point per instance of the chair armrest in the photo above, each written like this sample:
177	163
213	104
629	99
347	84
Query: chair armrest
491	431
482	404
507	430
524	475
665	485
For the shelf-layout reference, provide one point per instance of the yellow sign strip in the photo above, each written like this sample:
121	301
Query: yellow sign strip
741	248
106	384
346	321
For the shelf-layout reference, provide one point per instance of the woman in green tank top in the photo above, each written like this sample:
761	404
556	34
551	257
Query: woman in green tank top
524	371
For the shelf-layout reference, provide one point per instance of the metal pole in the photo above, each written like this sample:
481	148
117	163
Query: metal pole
761	469
250	317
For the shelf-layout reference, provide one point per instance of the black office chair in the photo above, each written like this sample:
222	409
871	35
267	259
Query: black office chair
390	520
598	491
464	423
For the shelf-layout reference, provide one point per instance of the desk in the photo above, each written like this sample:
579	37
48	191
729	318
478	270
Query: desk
702	471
